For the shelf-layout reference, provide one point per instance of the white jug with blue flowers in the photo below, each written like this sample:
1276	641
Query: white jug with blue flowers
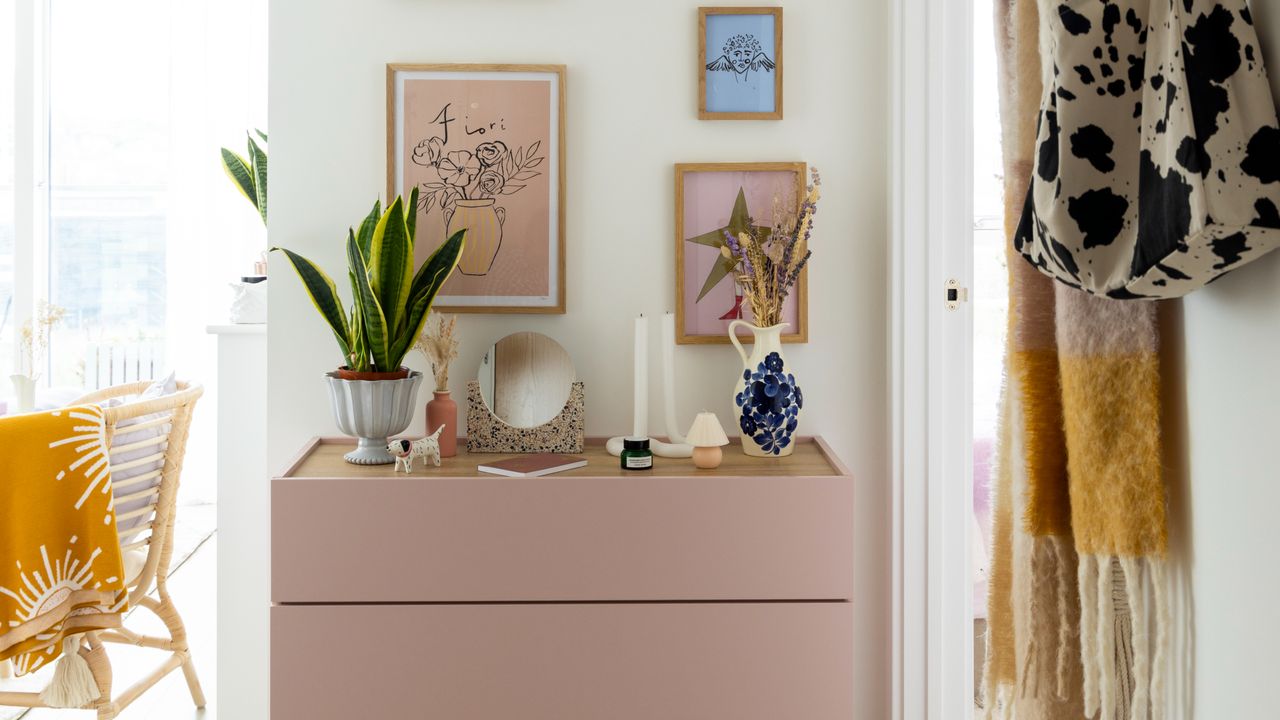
767	400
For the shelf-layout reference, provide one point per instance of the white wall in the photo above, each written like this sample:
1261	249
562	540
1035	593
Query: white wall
631	115
1224	508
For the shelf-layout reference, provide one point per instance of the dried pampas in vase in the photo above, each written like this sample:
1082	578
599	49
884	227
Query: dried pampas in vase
439	346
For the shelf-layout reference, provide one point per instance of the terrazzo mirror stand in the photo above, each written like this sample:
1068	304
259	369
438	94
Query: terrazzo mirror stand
487	433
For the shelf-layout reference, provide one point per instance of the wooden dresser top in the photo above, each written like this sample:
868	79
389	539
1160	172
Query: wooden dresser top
322	458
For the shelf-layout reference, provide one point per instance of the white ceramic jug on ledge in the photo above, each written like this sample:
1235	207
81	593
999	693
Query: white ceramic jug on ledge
24	391
767	400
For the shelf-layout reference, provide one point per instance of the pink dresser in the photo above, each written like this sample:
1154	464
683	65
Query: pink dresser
588	595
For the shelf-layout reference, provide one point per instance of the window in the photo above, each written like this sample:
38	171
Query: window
990	298
116	107
109	135
8	348
113	203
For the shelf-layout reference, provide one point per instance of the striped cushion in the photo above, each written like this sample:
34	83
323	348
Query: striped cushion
120	479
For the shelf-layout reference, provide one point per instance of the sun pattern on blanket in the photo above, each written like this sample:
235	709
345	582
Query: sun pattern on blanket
63	569
90	445
45	588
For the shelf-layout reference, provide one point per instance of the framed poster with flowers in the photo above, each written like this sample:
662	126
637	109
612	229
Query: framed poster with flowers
484	147
715	203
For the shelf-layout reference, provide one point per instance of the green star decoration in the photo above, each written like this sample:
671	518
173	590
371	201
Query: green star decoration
738	223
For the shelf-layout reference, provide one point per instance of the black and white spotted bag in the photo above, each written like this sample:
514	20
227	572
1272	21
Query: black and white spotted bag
1158	153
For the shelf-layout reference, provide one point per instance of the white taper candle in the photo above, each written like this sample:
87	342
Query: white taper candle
669	378
640	423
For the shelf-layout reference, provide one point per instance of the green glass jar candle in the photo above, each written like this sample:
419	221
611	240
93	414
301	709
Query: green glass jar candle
636	454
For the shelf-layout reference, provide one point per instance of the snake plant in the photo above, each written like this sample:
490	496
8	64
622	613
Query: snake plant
391	301
250	174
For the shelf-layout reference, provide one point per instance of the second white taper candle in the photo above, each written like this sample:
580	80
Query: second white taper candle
640	422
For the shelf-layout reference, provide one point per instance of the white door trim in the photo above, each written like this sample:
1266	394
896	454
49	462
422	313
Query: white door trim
931	359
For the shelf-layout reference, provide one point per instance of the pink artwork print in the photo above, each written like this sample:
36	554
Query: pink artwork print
714	202
482	149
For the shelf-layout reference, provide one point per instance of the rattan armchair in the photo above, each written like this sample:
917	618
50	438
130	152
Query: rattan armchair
147	543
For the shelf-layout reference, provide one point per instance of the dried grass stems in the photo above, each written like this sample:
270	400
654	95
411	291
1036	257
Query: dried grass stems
769	260
35	337
439	346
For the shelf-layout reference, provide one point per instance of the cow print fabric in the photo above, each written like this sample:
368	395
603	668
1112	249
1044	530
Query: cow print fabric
1158	149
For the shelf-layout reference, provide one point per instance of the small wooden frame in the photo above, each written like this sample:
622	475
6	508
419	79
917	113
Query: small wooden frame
685	334
550	166
772	63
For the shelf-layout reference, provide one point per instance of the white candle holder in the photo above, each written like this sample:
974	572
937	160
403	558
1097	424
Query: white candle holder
674	446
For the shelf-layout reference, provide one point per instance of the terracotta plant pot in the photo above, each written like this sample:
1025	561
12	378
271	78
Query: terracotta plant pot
442	410
348	374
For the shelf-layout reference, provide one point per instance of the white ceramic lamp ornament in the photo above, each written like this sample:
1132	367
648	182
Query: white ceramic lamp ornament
706	436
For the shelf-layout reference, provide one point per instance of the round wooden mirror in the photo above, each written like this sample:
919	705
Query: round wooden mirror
525	379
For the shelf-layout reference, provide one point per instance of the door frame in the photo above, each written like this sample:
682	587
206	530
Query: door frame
931	358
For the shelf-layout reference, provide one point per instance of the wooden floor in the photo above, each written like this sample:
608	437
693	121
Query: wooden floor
192	584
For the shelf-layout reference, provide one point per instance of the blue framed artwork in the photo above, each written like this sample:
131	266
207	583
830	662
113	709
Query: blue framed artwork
740	63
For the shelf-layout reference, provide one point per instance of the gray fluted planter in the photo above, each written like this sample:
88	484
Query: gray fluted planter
373	410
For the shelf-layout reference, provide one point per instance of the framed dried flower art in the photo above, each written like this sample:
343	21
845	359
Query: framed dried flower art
740	63
484	146
716	203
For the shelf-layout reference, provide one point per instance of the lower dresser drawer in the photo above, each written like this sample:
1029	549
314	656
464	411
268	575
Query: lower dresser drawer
564	661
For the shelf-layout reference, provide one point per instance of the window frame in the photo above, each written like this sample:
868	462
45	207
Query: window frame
31	161
931	211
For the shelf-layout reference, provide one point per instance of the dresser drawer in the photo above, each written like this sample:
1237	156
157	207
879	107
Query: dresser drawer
744	661
561	538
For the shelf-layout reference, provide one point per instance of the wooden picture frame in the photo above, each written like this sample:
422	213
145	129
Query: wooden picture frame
740	73
504	144
693	231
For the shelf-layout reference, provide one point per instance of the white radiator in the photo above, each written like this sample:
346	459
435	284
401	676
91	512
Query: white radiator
108	364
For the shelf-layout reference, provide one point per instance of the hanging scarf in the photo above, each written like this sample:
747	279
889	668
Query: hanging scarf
1032	650
1078	521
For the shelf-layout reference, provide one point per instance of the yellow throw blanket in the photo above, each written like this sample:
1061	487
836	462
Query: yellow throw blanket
60	564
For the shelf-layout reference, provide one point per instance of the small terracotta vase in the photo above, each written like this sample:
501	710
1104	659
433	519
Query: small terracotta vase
442	410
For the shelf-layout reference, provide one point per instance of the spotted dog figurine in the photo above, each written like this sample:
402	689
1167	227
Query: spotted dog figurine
428	448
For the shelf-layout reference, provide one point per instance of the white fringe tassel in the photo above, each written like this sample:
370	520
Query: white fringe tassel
73	685
1159	590
1087	577
1124	666
1135	582
1064	627
1105	659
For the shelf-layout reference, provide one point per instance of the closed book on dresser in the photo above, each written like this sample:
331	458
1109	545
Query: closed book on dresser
591	594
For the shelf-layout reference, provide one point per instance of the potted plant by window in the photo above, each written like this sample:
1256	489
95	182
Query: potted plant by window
373	394
249	175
